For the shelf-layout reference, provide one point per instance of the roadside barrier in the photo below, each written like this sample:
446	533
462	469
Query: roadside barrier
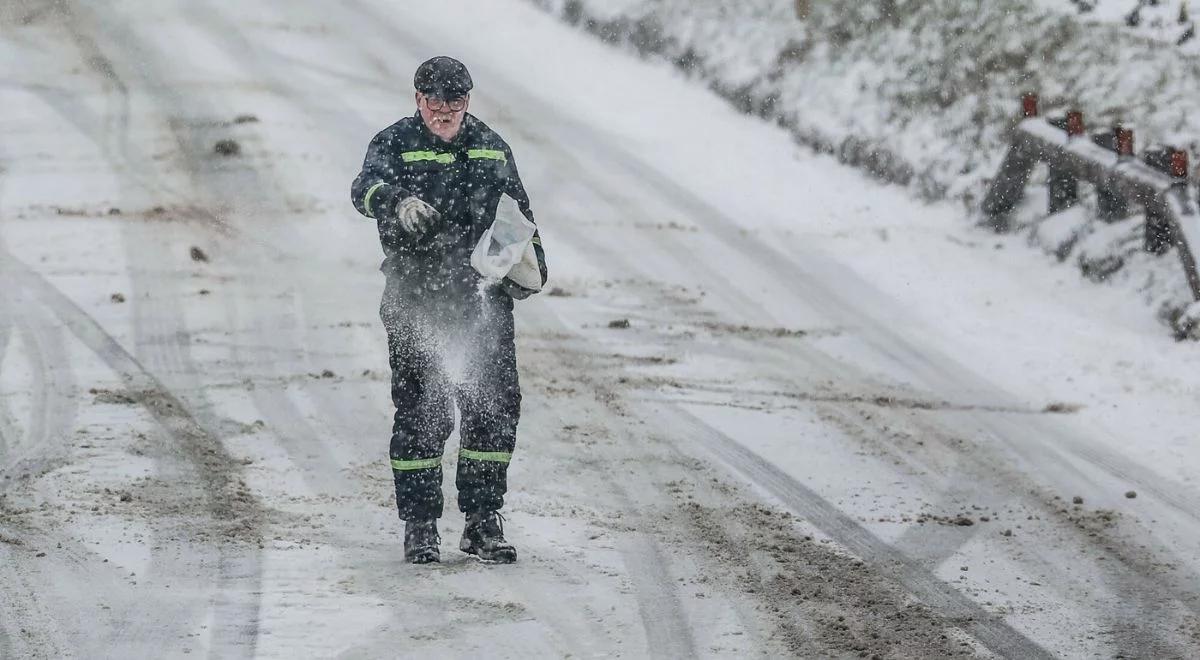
1157	182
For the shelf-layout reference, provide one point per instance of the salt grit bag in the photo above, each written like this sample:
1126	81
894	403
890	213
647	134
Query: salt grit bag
506	249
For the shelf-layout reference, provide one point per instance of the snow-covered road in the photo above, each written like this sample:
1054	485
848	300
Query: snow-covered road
771	408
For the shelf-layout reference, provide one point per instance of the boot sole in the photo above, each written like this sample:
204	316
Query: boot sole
424	557
506	556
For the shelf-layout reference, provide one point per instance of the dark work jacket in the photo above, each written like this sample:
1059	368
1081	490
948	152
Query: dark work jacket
463	179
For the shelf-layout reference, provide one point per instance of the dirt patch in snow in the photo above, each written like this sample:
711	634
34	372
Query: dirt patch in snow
214	492
756	332
822	601
113	397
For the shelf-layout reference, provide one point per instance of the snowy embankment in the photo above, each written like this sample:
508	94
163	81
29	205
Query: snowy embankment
924	95
1168	21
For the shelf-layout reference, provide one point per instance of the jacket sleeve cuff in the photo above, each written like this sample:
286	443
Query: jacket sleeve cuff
380	200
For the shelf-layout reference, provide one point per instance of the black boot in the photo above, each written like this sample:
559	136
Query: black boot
421	541
483	537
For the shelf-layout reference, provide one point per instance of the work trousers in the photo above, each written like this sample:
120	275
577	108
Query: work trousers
451	348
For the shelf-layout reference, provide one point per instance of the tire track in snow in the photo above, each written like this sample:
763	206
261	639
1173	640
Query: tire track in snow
161	347
668	630
40	449
28	620
213	183
160	326
237	514
668	633
10	433
45	442
1137	617
997	636
165	407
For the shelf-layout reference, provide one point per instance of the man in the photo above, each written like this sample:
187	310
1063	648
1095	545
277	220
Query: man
433	182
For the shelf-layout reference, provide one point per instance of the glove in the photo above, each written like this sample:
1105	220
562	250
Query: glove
514	290
415	217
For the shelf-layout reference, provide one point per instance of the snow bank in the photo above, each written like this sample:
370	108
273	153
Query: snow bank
1168	21
923	94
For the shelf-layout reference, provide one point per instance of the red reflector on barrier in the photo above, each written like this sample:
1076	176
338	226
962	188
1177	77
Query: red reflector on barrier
1124	141
1074	123
1179	163
1029	105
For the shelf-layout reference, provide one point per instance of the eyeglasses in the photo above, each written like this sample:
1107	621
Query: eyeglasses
437	105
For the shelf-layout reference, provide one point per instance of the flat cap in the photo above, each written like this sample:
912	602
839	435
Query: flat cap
443	77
